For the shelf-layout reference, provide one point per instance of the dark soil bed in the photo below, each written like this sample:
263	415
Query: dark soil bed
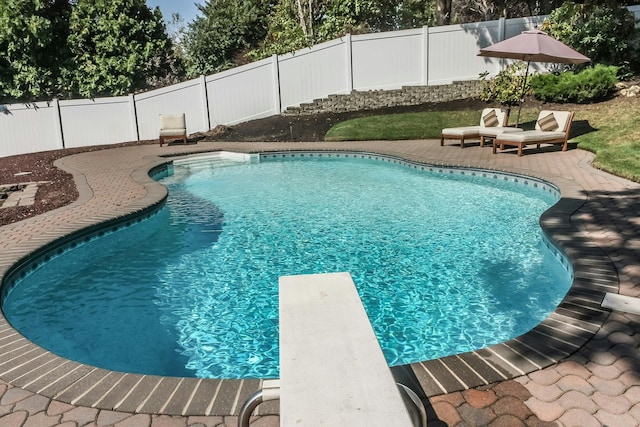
311	128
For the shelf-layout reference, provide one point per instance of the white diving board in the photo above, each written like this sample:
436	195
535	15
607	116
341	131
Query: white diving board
332	370
621	303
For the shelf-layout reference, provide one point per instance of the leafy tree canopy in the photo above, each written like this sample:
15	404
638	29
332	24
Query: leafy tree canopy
295	24
224	29
63	48
52	48
31	55
482	10
115	46
602	30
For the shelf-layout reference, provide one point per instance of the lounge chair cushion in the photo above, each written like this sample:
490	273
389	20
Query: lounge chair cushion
464	131
490	119
500	120
548	123
532	136
497	130
562	119
172	132
546	120
173	126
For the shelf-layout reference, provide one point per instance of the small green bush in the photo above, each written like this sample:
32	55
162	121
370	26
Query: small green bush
589	85
507	86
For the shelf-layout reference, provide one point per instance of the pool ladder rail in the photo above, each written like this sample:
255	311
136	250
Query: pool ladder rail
271	391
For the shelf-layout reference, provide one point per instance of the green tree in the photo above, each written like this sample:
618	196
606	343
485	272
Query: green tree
116	47
224	31
603	31
357	16
415	14
288	30
484	10
33	48
295	24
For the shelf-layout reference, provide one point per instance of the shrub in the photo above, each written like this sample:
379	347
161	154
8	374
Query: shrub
591	84
506	87
606	33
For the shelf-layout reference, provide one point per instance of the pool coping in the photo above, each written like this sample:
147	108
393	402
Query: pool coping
572	324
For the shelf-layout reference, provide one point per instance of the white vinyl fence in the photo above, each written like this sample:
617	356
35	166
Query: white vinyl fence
379	61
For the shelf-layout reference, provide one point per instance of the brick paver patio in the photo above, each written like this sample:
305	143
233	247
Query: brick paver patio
597	385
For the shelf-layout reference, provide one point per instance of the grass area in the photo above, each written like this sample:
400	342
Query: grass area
615	138
400	126
610	129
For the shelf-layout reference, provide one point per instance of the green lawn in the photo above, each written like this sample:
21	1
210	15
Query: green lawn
610	129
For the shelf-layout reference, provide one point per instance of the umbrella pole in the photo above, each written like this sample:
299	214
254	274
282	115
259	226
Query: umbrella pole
524	88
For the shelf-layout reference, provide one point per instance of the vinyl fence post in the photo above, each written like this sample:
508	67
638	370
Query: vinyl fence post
425	55
58	123
205	103
349	61
277	93
502	28
133	116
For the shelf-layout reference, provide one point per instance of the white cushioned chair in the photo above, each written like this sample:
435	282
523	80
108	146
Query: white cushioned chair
172	127
552	127
492	122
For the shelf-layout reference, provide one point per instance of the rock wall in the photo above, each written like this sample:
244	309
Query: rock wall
369	100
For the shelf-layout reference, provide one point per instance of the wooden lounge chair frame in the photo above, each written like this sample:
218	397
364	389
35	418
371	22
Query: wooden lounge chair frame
172	127
466	132
538	136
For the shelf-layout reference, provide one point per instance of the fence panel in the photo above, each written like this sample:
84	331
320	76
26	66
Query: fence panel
453	51
29	128
184	97
96	122
243	93
515	26
388	60
315	72
431	56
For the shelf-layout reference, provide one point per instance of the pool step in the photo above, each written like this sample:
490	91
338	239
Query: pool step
217	159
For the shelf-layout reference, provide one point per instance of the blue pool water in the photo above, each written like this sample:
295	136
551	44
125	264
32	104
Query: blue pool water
444	264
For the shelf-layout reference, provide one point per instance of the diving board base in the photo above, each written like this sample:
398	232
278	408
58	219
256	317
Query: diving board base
621	303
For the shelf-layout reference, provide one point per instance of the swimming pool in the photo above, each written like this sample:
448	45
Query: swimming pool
182	308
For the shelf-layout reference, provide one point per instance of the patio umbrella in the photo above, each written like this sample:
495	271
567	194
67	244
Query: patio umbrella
536	46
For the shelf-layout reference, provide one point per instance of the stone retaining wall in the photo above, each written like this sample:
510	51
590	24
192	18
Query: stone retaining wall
408	95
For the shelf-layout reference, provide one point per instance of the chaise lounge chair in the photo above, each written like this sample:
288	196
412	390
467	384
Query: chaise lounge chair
552	127
172	127
492	122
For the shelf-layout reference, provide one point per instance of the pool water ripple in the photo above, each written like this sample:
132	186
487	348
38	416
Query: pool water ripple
444	264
